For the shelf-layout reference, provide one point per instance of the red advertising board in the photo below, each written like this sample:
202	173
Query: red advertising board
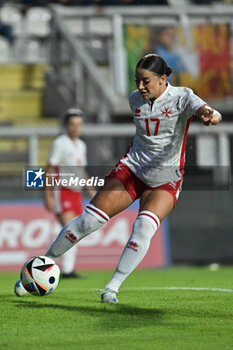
27	229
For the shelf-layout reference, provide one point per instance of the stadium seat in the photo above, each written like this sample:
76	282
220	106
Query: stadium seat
28	50
4	50
100	26
94	26
33	51
37	21
178	3
75	26
21	91
12	16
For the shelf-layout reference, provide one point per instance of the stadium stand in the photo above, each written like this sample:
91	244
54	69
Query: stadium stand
59	55
24	61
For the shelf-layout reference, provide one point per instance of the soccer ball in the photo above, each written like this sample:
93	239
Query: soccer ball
40	276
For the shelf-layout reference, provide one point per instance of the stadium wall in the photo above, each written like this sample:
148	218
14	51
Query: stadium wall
201	228
27	229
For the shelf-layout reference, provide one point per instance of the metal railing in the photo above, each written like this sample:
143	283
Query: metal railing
216	12
220	135
78	77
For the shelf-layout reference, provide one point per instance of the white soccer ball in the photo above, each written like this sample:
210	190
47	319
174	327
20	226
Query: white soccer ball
40	275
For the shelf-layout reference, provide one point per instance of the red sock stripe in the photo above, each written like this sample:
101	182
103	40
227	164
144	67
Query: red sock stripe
97	212
150	216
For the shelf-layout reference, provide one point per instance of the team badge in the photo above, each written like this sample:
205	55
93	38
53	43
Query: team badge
166	112
117	168
137	112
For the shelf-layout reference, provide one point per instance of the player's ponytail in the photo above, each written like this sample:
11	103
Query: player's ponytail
168	71
154	63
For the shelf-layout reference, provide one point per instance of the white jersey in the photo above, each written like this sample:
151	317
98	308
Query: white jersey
157	153
69	158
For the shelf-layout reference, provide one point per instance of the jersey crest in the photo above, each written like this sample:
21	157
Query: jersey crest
166	112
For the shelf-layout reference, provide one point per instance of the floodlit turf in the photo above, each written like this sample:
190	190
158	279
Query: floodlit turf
146	318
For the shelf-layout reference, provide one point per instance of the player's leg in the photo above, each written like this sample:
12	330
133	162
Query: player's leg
68	205
160	202
68	259
109	201
155	205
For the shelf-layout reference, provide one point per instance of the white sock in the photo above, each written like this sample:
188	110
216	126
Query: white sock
89	221
136	248
68	260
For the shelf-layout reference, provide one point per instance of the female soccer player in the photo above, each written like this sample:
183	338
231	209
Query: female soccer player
67	155
152	168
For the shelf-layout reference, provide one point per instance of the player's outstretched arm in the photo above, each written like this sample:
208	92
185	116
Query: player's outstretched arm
208	115
49	200
90	189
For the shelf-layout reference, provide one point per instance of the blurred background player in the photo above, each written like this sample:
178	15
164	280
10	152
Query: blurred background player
67	155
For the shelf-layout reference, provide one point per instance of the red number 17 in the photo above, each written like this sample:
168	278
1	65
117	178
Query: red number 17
157	122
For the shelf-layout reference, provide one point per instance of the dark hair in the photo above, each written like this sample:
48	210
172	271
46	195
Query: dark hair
155	64
71	112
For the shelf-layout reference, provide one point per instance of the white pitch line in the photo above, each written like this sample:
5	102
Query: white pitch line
226	290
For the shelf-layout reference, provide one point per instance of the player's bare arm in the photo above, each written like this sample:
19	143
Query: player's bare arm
49	200
208	115
90	189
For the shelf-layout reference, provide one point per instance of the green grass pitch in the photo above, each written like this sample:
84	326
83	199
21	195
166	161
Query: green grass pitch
148	317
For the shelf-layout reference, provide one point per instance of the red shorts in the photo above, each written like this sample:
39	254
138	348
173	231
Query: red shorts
135	187
68	200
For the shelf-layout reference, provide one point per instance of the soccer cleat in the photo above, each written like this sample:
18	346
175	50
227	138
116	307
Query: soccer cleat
108	296
19	290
